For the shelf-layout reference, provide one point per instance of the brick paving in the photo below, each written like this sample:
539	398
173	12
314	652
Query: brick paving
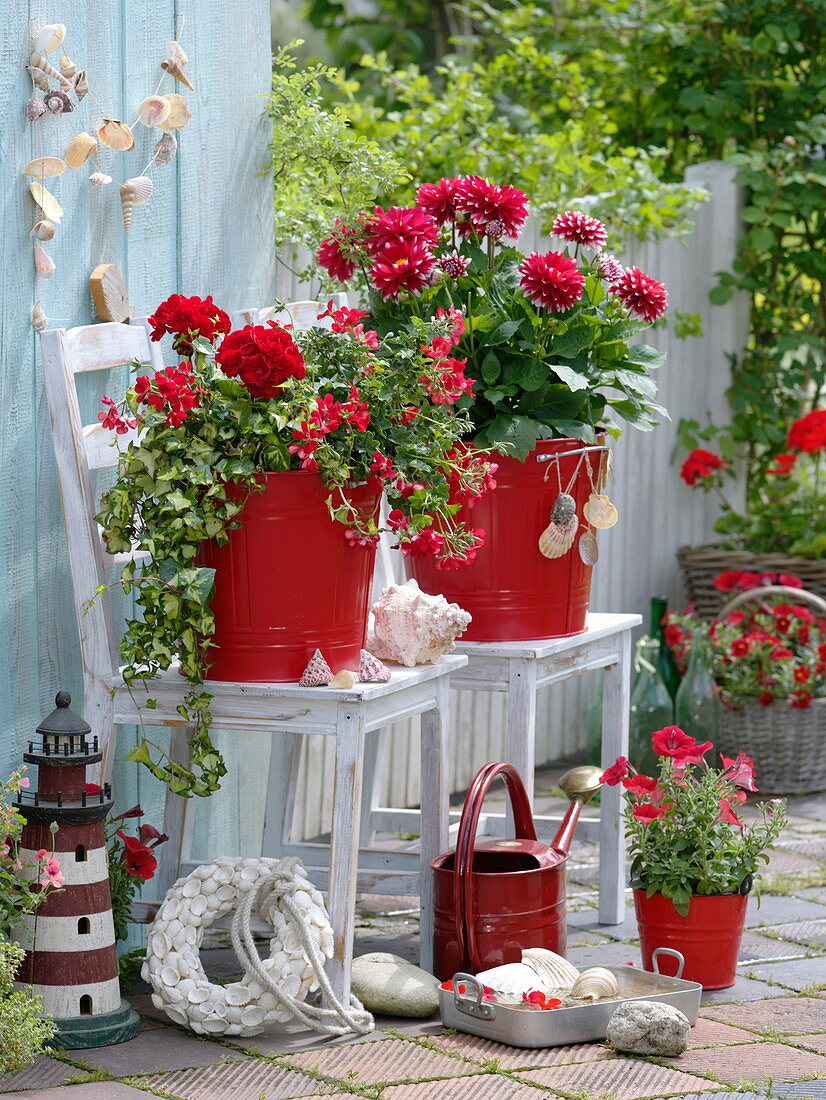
763	1038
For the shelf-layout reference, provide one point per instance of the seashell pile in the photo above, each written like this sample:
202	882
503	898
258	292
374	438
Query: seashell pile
173	967
413	627
548	973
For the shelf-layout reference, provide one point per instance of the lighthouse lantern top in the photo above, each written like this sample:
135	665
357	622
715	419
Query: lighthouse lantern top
63	720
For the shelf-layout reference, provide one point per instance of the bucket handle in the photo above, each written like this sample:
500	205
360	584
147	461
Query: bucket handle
471	1004
463	865
678	955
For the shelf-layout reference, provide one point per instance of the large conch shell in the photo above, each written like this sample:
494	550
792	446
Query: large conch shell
179	114
413	627
174	64
116	135
557	975
134	192
44	167
595	984
79	149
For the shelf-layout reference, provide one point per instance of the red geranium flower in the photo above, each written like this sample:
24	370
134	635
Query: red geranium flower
439	199
402	265
698	466
616	773
641	294
263	357
399	223
186	318
809	432
783	465
426	544
647	812
486	202
139	860
551	280
580	229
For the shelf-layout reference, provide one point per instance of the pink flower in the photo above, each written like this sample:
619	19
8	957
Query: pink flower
52	876
551	280
399	223
23	782
610	269
485	202
580	229
402	265
641	294
454	265
740	771
41	854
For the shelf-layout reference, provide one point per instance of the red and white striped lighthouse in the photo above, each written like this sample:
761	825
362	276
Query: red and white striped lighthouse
71	959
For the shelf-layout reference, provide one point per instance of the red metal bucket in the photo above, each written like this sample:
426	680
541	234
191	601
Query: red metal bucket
288	582
708	936
494	898
512	591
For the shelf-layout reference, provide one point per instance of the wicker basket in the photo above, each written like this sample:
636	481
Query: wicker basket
787	745
701	564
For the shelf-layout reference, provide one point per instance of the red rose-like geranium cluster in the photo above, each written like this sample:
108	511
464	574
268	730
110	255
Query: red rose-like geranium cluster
187	318
702	465
263	357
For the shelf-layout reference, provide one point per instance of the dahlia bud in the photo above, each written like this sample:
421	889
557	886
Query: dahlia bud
495	229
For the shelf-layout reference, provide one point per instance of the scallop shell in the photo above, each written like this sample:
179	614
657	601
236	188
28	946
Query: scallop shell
45	167
116	135
58	102
99	179
46	201
371	670
80	83
564	508
79	149
511	978
174	64
344	679
36	108
154	110
558	538
588	549
166	149
317	673
49	37
595	984
67	67
43	230
557	975
600	512
179	114
37	318
413	627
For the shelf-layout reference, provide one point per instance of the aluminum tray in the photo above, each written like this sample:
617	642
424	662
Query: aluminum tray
519	1027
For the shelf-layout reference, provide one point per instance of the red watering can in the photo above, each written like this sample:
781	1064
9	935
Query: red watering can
496	897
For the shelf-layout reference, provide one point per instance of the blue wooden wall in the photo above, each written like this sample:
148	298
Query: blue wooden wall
206	230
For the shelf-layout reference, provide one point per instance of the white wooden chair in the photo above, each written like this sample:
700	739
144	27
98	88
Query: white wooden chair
285	710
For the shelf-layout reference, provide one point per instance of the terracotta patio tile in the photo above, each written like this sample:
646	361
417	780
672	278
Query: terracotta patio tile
710	1033
756	948
811	1042
512	1058
627	1078
157	1051
489	1087
391	1060
247	1080
93	1090
789	1015
757	1062
809	932
43	1074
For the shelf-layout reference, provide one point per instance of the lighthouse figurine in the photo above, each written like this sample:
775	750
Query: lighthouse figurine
71	959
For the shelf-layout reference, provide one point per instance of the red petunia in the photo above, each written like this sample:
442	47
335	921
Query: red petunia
809	432
139	860
188	318
402	265
641	294
263	357
727	816
439	199
671	741
740	770
647	812
616	773
551	280
580	229
484	202
640	784
399	223
701	465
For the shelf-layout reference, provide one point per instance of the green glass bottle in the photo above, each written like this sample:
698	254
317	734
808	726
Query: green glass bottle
697	707
651	706
665	661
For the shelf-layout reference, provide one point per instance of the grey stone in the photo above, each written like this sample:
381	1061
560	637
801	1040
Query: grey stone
648	1027
391	986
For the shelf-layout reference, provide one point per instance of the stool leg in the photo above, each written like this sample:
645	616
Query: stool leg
435	803
375	764
616	701
285	757
521	732
344	846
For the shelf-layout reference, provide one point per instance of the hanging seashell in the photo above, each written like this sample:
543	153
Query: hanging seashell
79	149
37	317
558	538
555	972
606	469
344	679
166	149
43	230
99	179
564	507
154	110
44	265
413	627
45	167
595	984
317	673
174	64
58	102
371	670
39	79
39	63
116	135
588	549
67	67
600	512
49	37
179	114
46	201
36	108
80	83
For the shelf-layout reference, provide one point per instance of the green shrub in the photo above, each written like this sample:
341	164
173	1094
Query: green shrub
22	1032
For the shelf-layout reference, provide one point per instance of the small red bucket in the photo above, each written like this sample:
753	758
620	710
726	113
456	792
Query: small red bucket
496	897
708	937
288	582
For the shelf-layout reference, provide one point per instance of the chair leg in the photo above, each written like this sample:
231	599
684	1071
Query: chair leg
435	803
343	873
285	757
616	703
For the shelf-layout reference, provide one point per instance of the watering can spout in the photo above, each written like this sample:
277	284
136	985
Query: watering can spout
580	785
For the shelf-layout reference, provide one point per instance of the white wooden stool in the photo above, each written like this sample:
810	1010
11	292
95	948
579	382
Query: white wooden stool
520	669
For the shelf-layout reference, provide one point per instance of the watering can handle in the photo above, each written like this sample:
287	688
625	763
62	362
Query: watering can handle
462	878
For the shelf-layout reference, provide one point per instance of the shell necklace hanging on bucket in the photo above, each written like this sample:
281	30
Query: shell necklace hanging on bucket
558	537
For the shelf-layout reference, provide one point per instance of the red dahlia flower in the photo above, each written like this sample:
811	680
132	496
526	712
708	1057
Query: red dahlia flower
610	269
262	356
641	294
486	202
399	223
337	254
402	265
809	432
187	318
580	229
439	199
551	280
